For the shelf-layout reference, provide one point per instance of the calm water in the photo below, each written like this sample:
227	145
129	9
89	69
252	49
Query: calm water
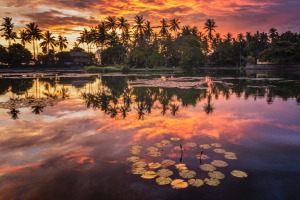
74	136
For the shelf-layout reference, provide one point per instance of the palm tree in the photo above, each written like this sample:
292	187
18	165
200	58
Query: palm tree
9	34
148	30
210	26
24	37
228	37
123	24
186	30
174	25
111	23
49	40
139	25
34	33
273	34
102	34
164	28
62	42
81	40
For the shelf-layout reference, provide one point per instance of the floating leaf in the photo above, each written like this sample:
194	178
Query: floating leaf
216	145
207	167
219	163
205	146
151	149
181	166
135	151
212	181
175	139
230	155
191	144
203	156
167	163
216	175
165	142
155	165
239	174
149	175
154	154
196	182
179	184
163	180
133	159
219	150
139	170
136	147
159	145
164	172
187	174
140	164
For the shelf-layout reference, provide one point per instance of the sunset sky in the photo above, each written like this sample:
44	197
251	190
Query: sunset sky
68	16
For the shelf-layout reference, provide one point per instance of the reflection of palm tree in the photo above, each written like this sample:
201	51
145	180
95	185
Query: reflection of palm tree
64	92
208	108
141	109
13	112
164	101
150	99
174	109
50	91
37	109
113	110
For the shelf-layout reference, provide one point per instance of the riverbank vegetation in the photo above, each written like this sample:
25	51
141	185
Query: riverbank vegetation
143	45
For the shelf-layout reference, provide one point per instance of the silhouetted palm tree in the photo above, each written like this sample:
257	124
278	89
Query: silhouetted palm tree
164	28
139	25
62	42
273	34
209	27
102	34
34	33
24	37
111	23
49	41
9	34
148	30
174	25
81	40
123	24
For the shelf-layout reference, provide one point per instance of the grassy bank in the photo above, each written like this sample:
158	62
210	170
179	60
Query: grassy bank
125	69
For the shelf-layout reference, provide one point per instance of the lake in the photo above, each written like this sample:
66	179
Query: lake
113	136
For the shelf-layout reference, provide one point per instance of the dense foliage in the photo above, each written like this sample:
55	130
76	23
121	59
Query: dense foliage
168	44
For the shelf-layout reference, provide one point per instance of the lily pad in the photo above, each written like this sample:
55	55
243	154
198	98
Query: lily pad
175	138
181	166
205	146
196	182
219	163
212	181
230	155
216	145
207	167
159	145
153	165
140	164
154	154
179	184
135	151
187	174
149	175
133	159
239	174
219	150
163	180
151	149
203	156
164	172
167	163
177	148
139	170
216	175
136	147
165	142
190	144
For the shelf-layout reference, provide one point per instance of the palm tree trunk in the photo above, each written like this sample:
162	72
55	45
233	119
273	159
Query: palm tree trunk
33	49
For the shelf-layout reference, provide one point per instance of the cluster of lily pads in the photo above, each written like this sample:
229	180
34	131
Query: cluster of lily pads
162	174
